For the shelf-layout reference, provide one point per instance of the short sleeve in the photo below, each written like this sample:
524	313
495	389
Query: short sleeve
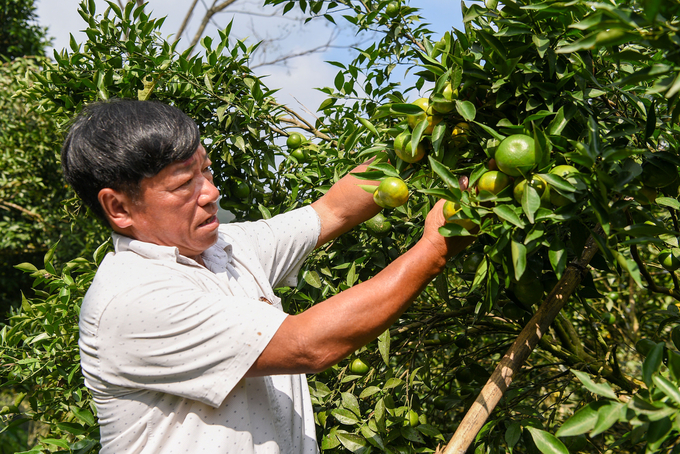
181	341
281	243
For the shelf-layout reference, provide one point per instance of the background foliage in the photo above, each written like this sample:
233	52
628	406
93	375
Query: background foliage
596	85
19	33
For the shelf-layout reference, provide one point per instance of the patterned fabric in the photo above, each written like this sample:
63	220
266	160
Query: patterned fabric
165	343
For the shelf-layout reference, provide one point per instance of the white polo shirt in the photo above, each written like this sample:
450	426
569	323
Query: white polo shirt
165	343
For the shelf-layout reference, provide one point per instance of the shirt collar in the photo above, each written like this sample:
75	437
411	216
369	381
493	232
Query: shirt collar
221	251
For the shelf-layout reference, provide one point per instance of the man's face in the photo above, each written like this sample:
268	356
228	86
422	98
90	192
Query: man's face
178	207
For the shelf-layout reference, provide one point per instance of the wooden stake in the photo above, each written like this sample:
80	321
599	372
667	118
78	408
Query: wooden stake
514	359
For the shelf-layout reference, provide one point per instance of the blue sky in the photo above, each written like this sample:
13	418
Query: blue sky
298	78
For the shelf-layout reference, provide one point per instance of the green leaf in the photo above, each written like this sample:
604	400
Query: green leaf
607	415
557	253
430	431
667	387
546	442
26	267
445	174
555	181
406	109
369	391
386	168
602	389
658	433
368	125
652	363
583	421
55	442
312	278
668	202
84	415
519	258
345	416
466	110
75	429
384	346
373	438
350	402
410	433
508	214
674	364
513	433
531	201
350	441
558	123
352	275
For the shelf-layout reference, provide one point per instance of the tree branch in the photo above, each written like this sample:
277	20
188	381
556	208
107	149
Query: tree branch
210	12
30	213
185	22
515	357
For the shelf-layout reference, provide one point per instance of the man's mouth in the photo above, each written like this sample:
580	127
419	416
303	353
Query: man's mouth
208	221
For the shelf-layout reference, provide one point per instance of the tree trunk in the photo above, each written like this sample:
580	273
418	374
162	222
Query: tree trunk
513	360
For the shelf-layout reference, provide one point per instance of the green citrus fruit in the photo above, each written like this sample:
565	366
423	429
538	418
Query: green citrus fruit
462	341
608	318
447	106
464	375
440	402
646	195
403	147
240	189
528	290
460	135
299	155
472	262
451	208
517	155
658	173
392	9
413	120
413	418
563	171
493	181
444	337
513	312
433	119
391	193
670	259
359	367
536	182
295	139
378	225
401	140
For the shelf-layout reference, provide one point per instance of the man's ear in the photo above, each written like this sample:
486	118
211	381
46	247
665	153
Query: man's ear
117	206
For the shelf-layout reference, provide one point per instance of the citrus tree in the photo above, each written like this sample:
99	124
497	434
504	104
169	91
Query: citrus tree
561	119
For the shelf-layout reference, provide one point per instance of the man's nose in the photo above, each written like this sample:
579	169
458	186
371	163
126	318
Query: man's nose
209	193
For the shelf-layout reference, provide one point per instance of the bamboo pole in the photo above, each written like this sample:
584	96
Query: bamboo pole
518	353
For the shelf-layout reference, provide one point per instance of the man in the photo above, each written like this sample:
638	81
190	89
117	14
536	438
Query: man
183	342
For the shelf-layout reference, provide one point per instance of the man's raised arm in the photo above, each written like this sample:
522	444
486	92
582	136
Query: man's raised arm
345	206
331	330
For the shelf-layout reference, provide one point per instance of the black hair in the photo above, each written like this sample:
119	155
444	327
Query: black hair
115	144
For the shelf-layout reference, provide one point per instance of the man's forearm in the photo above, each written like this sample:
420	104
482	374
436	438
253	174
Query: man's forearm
326	333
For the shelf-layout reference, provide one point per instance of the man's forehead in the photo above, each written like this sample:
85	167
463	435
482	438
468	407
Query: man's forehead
200	155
